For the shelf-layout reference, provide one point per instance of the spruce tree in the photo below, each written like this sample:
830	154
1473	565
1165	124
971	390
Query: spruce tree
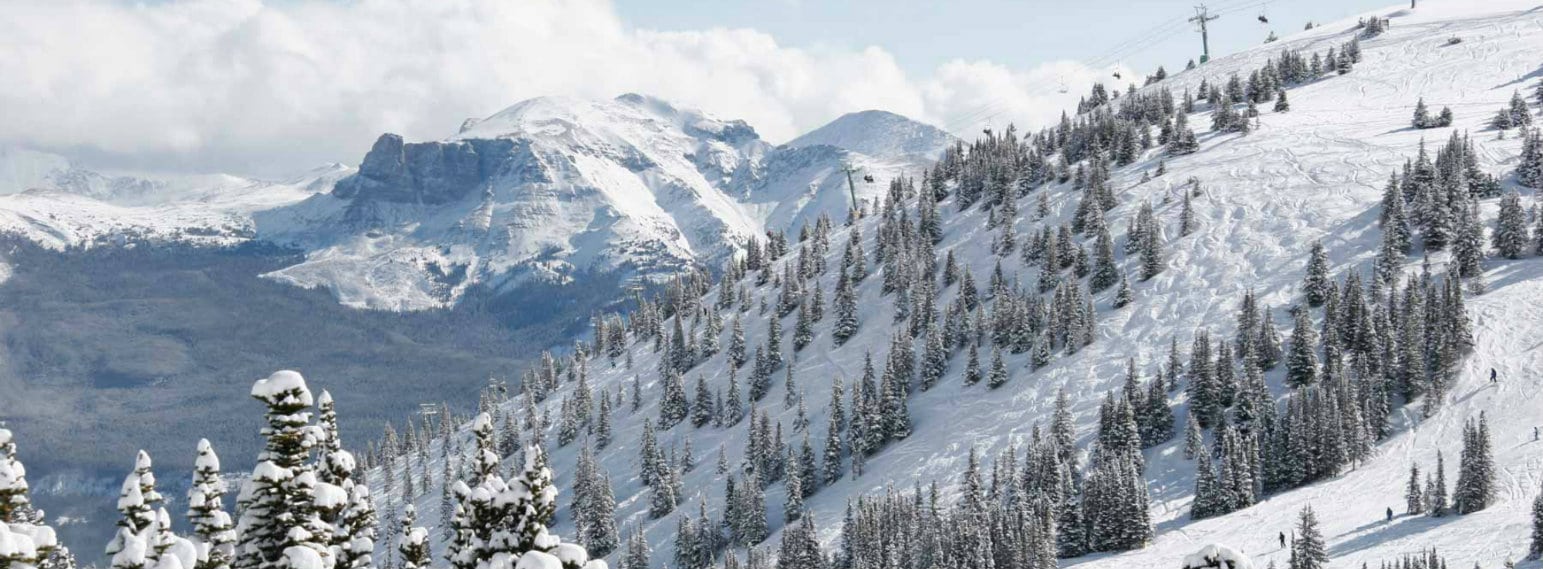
1315	286
1302	361
998	375
413	542
279	523
1529	166
1476	469
1186	216
1307	547
1511	234
212	526
702	405
1414	494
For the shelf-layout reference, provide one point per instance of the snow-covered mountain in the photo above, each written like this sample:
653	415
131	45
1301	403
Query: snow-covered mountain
556	187
1313	173
552	189
46	199
879	134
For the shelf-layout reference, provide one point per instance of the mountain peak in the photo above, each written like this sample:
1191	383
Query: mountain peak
880	134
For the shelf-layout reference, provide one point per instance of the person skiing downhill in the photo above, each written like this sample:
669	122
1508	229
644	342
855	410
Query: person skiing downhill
1283	540
1390	514
1492	376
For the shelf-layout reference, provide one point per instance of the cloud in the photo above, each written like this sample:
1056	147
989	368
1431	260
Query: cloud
260	87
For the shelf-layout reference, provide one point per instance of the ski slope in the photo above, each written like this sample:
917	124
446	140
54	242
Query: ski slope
1315	172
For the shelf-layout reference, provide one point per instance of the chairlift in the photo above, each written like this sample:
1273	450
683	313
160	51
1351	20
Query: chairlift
1117	75
868	178
1061	84
1264	13
1263	19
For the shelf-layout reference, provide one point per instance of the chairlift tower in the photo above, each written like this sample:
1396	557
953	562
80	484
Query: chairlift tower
1201	17
851	184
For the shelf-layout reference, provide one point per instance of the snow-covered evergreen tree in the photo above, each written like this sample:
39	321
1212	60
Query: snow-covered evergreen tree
279	526
1308	550
412	542
213	530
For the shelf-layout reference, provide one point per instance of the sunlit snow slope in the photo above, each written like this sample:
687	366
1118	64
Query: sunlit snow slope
1313	173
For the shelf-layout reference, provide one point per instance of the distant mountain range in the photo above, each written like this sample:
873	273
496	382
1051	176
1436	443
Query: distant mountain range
549	189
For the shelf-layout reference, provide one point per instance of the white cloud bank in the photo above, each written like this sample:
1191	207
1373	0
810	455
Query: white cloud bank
262	87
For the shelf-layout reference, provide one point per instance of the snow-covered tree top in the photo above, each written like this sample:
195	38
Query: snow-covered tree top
283	384
1218	557
207	460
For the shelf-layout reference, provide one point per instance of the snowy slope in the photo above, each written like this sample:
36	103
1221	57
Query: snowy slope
48	200
879	134
1313	173
555	187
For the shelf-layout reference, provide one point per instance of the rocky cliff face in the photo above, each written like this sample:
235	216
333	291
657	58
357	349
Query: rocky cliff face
553	188
425	172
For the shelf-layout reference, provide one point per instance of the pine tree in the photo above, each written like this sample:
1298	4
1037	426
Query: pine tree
1529	166
800	547
1421	115
1194	444
1183	140
846	324
352	523
413	542
673	407
206	510
636	556
998	375
1307	547
1207	492
972	374
1122	297
21	525
793	506
1476	470
1315	286
832	467
1511	235
1302	361
1436	490
1535	550
701	405
279	521
1414	494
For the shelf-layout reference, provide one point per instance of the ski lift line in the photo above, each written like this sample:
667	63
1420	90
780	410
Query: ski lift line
1179	22
1141	41
1136	44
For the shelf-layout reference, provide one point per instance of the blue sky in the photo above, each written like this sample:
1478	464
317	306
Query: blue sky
1023	33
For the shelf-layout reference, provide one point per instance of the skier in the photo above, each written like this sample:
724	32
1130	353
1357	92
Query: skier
1390	514
1534	433
1492	376
1282	540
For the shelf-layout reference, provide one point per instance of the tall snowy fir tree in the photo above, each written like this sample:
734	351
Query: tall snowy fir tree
212	527
279	526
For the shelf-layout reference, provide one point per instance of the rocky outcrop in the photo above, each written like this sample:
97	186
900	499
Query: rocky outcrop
426	172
